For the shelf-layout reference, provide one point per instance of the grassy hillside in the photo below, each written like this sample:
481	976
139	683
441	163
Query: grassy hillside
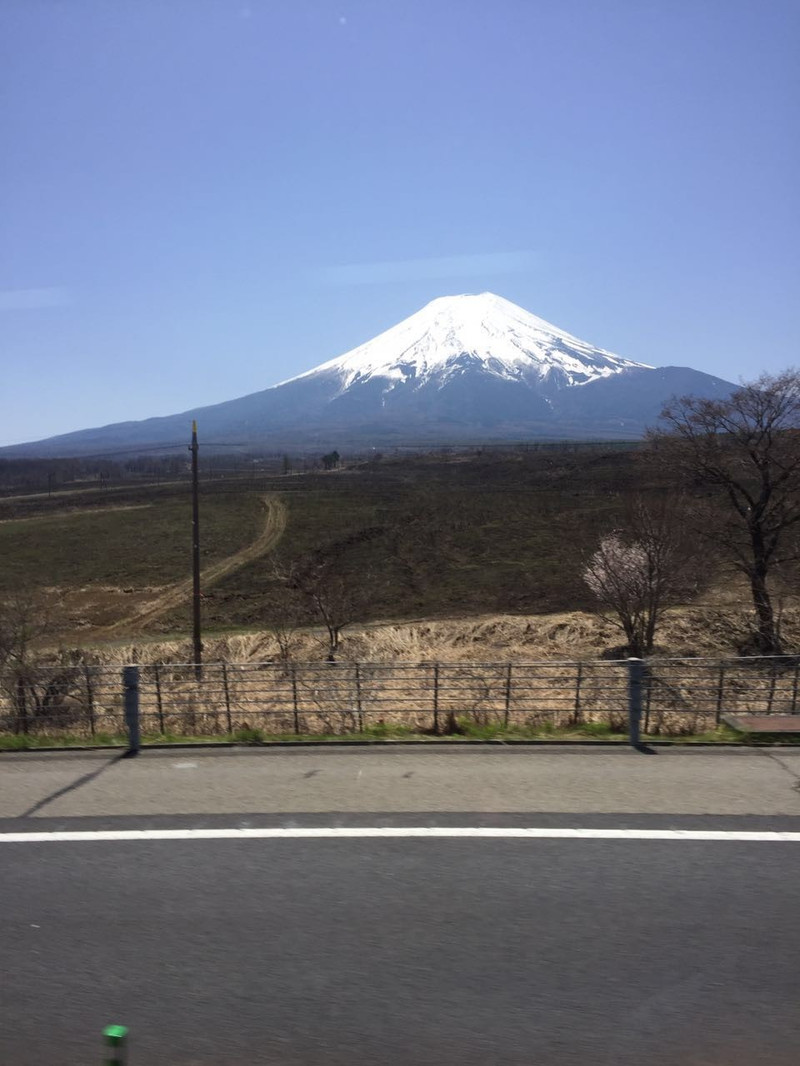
139	538
435	537
418	537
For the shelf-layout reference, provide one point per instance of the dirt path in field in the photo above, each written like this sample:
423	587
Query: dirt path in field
75	512
274	525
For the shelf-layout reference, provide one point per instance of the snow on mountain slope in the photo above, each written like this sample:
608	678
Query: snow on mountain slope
472	367
495	335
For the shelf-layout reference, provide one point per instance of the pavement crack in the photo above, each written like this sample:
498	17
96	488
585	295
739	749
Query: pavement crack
795	776
72	786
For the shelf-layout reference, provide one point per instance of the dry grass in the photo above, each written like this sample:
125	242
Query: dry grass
493	673
707	630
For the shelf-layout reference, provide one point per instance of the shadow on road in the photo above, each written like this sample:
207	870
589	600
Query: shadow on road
73	785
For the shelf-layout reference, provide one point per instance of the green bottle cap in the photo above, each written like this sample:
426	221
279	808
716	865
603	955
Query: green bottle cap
115	1034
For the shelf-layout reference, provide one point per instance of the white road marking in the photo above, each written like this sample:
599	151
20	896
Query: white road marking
418	832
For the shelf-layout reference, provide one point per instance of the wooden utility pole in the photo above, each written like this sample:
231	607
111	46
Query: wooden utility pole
196	639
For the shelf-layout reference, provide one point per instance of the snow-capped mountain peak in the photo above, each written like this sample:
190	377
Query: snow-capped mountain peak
477	332
463	368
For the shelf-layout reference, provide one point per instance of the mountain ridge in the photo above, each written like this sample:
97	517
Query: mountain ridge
464	367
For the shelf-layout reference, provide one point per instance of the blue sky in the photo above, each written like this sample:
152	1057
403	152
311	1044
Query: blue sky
200	198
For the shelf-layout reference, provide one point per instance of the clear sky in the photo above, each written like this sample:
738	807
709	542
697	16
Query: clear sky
200	198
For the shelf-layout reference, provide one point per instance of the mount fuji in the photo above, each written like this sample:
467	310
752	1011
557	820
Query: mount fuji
463	368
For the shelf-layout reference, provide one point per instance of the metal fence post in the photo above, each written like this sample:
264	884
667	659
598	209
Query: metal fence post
436	699
130	681
508	696
636	668
576	713
720	691
89	695
773	680
295	708
159	703
359	706
22	723
227	691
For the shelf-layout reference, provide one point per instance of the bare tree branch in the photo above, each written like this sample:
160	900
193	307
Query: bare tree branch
747	448
637	570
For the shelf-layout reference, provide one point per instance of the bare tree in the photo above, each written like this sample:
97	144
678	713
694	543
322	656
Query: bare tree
747	448
332	585
308	590
285	608
23	620
331	597
636	571
38	685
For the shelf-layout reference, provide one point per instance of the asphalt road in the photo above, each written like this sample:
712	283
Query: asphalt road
402	779
535	951
402	952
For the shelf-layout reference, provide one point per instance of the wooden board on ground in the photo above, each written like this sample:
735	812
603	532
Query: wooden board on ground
763	723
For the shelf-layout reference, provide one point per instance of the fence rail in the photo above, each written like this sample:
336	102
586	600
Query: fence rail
675	696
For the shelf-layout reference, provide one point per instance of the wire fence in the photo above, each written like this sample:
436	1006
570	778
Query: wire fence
79	700
308	698
678	697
